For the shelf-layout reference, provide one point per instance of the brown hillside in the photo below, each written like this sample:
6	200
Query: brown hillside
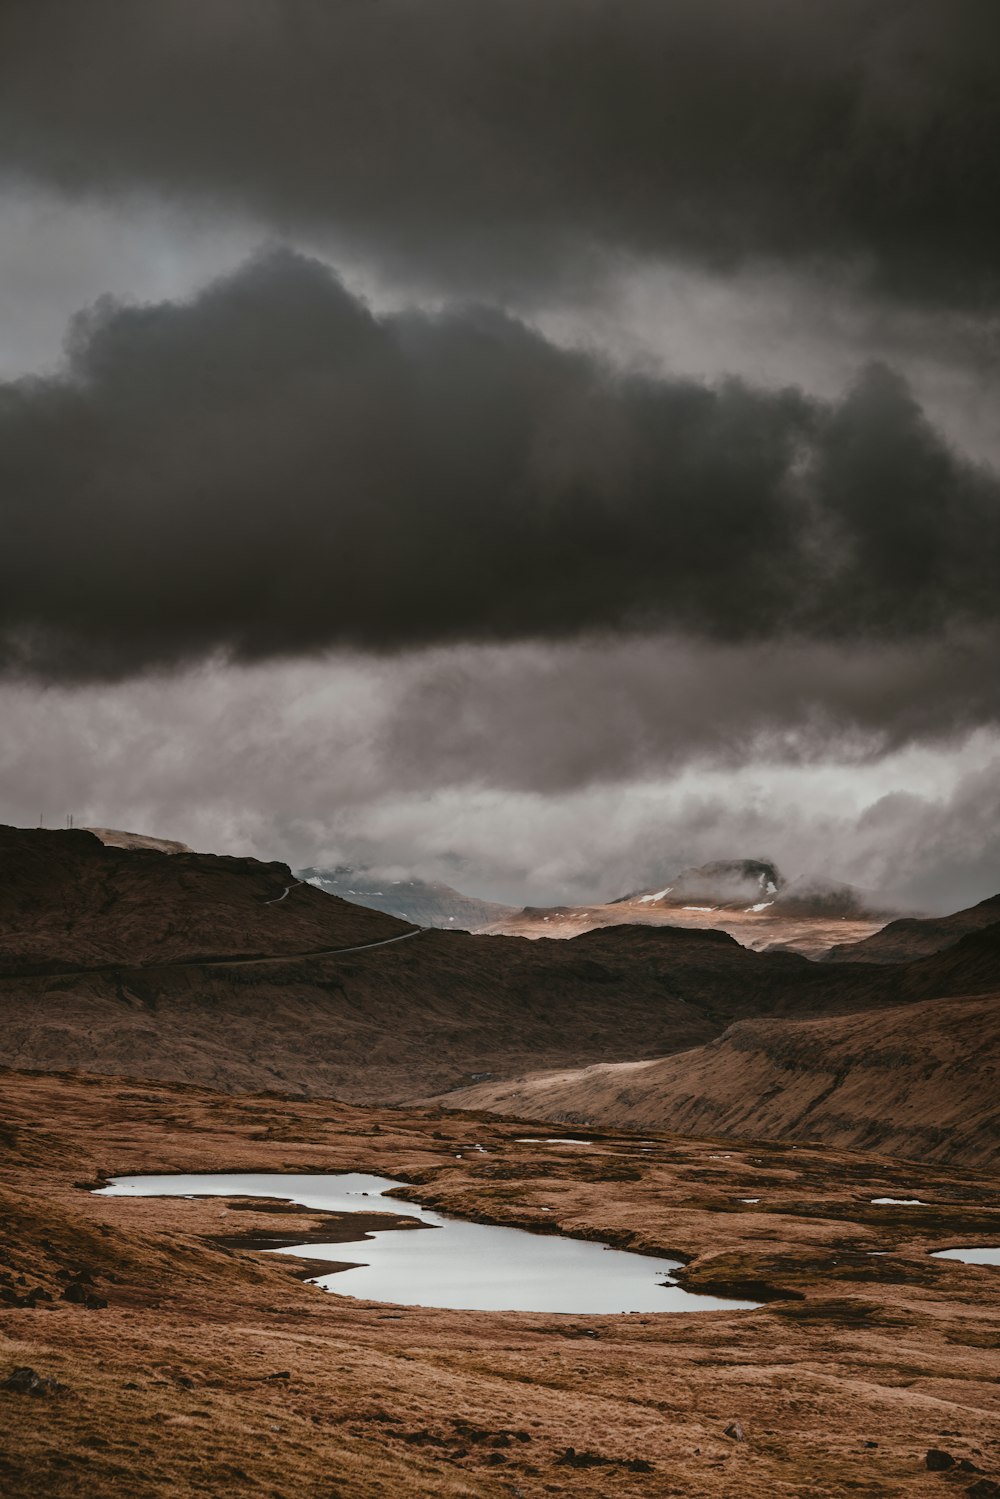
921	1081
912	937
69	901
115	961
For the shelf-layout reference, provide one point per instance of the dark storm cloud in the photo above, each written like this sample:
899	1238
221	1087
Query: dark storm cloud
268	469
488	145
552	719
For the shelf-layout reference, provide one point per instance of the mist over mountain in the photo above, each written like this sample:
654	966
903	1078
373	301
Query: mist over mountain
426	902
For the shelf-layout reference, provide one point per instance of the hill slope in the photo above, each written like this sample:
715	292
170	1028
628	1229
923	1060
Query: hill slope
921	1079
912	937
69	901
147	963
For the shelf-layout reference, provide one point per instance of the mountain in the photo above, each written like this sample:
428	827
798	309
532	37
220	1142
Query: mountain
916	1080
424	902
753	885
748	898
226	971
727	882
229	973
910	937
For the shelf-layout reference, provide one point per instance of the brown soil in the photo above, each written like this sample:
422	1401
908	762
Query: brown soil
212	1371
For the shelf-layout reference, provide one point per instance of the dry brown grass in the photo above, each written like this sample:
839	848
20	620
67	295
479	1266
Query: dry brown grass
168	1390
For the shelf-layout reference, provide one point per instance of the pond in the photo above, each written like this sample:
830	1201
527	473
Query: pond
456	1265
549	1140
970	1256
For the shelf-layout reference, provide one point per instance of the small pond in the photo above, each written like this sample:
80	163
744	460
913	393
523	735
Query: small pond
454	1264
549	1140
970	1256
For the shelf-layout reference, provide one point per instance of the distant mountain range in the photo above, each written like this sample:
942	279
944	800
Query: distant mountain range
748	898
424	902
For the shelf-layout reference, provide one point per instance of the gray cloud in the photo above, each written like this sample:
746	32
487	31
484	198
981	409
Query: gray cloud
308	762
547	720
493	146
269	469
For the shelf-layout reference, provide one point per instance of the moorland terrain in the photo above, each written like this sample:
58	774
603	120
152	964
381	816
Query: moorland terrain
163	1010
187	1365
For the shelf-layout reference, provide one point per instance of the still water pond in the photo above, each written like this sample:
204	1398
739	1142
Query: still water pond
454	1264
970	1256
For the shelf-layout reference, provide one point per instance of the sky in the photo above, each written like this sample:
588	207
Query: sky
533	445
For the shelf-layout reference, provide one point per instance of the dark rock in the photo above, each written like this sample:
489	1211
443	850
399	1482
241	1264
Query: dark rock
637	1465
573	1459
939	1461
735	1432
869	1444
24	1381
188	1384
984	1488
279	1374
75	1292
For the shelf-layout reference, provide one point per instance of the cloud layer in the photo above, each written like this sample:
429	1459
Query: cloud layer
494	145
269	469
329	762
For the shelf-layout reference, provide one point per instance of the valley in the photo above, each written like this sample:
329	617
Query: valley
800	1147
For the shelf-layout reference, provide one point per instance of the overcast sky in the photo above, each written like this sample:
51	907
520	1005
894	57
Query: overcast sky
536	445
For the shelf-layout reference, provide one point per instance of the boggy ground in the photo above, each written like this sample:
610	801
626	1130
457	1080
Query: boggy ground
217	1371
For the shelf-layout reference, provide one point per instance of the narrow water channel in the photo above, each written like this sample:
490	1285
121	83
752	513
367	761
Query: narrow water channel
454	1264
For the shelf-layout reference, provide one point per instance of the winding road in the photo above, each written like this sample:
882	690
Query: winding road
291	957
284	893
